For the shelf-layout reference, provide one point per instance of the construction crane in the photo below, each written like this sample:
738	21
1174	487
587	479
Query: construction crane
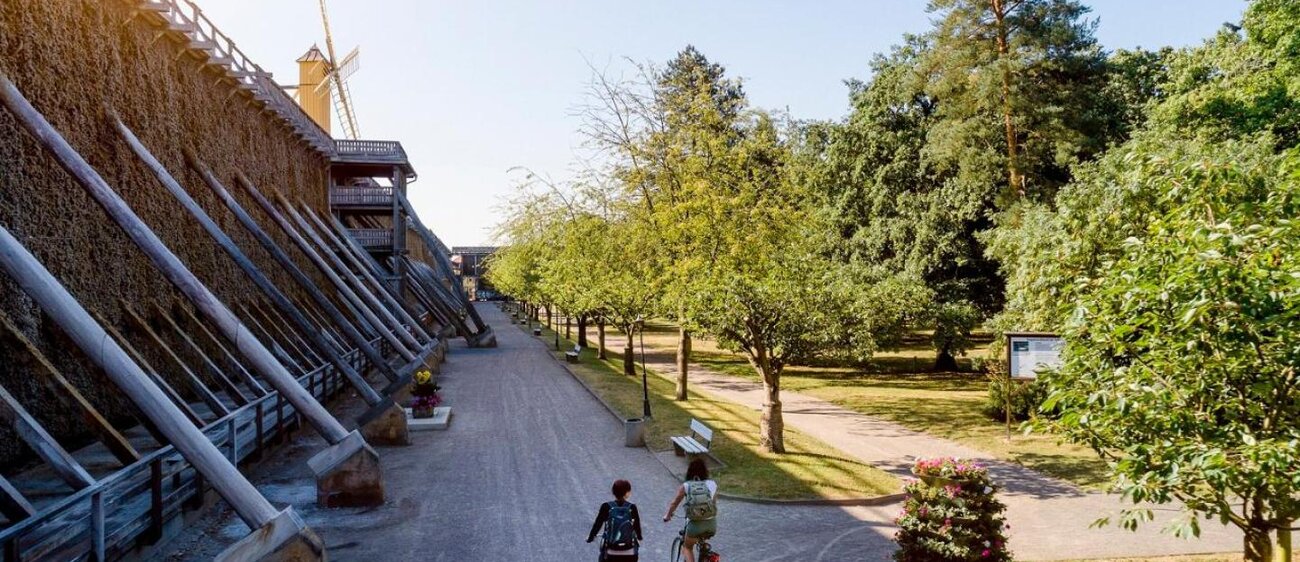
340	71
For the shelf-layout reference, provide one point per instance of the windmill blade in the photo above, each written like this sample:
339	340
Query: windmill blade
341	103
350	65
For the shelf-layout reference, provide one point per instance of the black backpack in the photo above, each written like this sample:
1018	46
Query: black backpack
620	534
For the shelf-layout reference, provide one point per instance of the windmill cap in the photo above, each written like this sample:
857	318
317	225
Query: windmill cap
312	55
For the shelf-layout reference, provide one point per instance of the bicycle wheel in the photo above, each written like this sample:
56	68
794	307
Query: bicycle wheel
675	553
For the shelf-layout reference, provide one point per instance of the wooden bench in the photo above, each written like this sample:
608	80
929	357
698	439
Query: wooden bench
696	444
572	355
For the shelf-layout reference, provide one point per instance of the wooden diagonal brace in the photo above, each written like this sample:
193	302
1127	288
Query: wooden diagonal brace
211	338
305	283
113	440
215	370
196	385
12	503
40	441
388	321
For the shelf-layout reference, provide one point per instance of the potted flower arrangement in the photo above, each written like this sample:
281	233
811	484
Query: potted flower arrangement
424	395
951	514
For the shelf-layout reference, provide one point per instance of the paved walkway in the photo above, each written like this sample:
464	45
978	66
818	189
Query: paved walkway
1049	518
518	477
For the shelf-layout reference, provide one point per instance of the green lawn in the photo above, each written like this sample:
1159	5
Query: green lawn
810	468
899	386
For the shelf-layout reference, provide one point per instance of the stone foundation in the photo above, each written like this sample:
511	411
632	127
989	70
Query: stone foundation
348	474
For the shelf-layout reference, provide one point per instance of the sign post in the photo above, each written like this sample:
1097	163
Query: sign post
1028	353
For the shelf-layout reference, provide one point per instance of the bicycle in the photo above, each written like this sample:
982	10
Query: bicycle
703	552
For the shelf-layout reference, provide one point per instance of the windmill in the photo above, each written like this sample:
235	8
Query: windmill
337	80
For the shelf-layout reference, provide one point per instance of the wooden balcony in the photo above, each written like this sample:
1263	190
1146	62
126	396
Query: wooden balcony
373	239
370	156
361	198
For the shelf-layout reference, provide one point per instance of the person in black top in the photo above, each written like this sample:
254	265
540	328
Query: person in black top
616	552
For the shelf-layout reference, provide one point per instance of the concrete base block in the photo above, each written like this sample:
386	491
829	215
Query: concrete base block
348	474
385	425
485	339
284	539
441	420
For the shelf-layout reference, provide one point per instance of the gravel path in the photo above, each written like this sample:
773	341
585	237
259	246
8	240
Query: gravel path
1049	518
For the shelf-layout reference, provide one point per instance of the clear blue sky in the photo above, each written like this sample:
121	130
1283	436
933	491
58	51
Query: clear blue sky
474	88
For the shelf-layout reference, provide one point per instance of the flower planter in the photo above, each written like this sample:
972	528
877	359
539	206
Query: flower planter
422	413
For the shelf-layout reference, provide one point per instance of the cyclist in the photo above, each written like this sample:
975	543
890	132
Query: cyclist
622	526
700	494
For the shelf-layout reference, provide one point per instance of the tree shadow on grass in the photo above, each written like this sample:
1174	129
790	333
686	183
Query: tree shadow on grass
808	470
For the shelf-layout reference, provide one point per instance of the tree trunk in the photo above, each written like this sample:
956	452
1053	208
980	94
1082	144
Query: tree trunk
600	338
629	365
568	326
945	361
1283	551
1258	544
1017	183
548	318
772	426
582	330
683	361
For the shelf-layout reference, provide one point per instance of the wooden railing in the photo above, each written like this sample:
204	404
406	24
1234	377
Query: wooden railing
369	151
185	17
133	505
373	238
361	196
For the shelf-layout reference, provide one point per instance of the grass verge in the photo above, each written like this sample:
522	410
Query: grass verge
898	387
810	469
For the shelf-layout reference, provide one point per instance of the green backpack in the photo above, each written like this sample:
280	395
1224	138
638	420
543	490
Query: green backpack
699	502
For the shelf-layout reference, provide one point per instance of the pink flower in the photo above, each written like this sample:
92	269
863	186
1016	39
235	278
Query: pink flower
986	553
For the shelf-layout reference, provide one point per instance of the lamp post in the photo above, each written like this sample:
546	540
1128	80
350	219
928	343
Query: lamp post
645	383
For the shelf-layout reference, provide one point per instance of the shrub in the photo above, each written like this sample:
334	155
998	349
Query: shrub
951	514
1026	398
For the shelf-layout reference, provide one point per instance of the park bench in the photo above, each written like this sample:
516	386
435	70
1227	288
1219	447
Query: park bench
572	355
696	444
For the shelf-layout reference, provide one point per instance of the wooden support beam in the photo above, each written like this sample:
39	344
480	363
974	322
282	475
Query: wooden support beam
114	441
387	320
275	322
272	343
42	443
12	503
369	269
196	385
442	262
232	362
343	288
308	286
218	407
61	306
438	295
168	264
215	370
443	314
329	331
